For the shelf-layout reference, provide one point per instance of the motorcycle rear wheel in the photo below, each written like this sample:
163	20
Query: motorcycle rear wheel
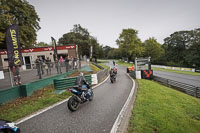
73	103
111	79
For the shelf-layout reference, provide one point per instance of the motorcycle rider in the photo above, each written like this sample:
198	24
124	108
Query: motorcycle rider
80	81
115	70
112	73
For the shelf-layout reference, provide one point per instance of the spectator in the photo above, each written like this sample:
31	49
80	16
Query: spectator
48	65
39	65
67	63
75	63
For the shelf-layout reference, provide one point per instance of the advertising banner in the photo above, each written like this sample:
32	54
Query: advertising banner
13	46
55	49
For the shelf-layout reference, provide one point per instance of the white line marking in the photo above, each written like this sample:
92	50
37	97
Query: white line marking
48	108
40	112
121	114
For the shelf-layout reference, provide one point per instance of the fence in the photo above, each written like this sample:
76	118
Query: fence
33	72
186	88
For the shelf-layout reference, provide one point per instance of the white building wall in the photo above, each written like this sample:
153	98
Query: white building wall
33	56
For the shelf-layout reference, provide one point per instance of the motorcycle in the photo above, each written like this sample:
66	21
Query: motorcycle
8	127
113	78
80	96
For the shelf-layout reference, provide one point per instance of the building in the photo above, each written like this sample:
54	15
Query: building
30	55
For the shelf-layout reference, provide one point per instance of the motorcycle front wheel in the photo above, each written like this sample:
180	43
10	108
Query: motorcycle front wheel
91	97
73	103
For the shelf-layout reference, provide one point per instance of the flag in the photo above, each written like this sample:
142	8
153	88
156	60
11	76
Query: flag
13	46
77	51
55	49
91	50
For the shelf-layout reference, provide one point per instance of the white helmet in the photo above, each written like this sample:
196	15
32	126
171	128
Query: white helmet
81	74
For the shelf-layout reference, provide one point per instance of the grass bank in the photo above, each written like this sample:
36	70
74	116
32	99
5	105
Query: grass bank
124	63
159	109
22	107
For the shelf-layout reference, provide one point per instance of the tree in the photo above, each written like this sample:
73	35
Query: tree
81	37
182	48
193	54
106	50
153	49
41	44
129	44
22	13
78	36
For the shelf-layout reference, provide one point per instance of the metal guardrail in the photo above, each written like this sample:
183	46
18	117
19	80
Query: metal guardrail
186	88
102	74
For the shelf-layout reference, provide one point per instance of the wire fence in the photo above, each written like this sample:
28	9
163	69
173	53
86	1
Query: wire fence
186	88
32	72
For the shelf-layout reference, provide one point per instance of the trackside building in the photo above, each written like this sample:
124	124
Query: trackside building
30	55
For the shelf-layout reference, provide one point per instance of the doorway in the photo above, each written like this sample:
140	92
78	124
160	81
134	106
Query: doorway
27	62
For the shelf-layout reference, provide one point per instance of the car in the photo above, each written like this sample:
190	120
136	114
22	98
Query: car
8	127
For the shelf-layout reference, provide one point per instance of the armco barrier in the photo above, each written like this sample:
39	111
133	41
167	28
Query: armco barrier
186	88
133	74
65	83
15	92
102	74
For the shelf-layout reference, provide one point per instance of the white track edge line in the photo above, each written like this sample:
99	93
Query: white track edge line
48	108
121	114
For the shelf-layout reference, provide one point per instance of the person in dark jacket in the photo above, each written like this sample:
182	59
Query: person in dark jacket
67	63
80	80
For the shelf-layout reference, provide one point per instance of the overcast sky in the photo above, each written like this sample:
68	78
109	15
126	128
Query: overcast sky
105	19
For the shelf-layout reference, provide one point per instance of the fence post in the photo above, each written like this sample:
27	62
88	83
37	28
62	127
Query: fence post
11	77
40	69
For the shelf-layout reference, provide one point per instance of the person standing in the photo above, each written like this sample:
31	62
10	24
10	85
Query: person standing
61	60
75	63
16	75
67	63
113	63
48	65
41	61
37	64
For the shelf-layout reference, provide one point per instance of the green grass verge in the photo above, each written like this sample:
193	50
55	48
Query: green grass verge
104	66
176	71
94	68
161	109
124	63
25	106
102	61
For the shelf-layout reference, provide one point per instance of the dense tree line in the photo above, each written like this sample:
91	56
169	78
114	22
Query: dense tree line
182	48
179	49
